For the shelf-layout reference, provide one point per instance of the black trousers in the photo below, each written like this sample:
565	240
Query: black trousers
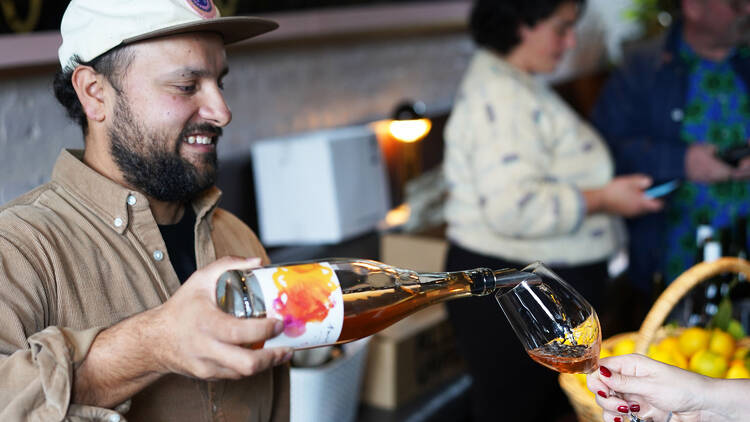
508	385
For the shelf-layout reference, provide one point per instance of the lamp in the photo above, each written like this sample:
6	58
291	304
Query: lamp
400	144
409	124
408	127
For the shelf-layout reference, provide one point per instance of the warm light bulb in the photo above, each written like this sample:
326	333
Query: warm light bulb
396	217
409	130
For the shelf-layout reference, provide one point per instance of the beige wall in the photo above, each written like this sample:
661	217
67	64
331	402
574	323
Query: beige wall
273	90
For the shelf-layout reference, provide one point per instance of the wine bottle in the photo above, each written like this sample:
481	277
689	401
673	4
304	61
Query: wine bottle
340	300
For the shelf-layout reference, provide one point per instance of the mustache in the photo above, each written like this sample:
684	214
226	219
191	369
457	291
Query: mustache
203	128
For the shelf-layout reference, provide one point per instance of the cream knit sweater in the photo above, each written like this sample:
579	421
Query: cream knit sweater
516	160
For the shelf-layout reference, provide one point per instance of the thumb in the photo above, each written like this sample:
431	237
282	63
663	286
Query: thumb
643	181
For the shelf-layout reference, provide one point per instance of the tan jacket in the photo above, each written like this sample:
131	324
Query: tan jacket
81	253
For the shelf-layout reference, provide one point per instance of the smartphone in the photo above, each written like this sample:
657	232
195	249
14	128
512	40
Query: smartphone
663	189
734	155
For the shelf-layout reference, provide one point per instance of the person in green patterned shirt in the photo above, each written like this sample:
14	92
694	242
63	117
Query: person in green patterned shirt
668	112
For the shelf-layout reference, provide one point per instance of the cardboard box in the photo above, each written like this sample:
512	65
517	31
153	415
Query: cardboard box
410	358
417	353
422	253
319	187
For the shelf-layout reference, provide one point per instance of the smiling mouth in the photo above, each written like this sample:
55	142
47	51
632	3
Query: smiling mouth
200	140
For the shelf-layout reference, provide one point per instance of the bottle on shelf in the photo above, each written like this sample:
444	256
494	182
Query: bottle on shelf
700	304
340	300
739	292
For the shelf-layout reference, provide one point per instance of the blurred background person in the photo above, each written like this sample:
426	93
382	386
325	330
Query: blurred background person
528	180
675	103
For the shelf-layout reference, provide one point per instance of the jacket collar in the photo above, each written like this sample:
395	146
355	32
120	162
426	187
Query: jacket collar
109	200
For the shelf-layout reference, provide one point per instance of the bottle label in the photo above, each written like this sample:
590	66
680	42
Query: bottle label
308	298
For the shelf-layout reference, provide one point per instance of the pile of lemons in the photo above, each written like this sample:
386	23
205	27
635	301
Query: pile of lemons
714	353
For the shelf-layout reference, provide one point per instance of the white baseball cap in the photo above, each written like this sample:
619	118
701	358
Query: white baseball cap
90	28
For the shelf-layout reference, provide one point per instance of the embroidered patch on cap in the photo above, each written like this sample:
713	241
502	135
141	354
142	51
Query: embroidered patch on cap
205	8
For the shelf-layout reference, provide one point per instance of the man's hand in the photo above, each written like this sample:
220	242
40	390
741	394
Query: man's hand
200	340
187	335
701	165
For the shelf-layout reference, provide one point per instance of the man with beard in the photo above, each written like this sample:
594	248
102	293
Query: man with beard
108	272
669	110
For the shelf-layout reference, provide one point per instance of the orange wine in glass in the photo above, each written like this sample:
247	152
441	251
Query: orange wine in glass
556	325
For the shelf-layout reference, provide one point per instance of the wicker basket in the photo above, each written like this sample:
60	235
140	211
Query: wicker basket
651	330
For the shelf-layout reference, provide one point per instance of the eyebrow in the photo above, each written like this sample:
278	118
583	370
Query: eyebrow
195	73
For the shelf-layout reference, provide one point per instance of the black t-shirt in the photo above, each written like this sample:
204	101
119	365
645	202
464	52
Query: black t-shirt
180	241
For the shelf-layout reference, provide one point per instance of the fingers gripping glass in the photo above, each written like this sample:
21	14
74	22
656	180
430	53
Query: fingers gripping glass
556	325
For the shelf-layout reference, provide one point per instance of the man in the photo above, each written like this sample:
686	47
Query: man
100	314
667	112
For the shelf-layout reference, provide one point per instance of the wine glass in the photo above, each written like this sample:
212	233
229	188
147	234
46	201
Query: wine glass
557	326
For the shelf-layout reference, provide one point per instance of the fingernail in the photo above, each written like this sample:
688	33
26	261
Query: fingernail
278	327
635	408
622	409
287	356
617	419
605	372
602	394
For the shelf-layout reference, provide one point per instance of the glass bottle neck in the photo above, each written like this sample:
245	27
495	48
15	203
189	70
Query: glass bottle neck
484	281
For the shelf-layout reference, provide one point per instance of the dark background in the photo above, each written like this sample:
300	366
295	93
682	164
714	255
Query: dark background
17	15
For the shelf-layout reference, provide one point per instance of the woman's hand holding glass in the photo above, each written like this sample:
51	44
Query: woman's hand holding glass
656	389
557	326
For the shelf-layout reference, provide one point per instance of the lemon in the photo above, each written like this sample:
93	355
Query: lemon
708	363
735	329
692	340
740	353
737	370
721	343
624	347
670	357
680	360
669	344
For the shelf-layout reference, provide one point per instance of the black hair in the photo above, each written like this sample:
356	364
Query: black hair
112	65
495	23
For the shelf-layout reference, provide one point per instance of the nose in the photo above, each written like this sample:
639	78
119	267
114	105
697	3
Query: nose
215	109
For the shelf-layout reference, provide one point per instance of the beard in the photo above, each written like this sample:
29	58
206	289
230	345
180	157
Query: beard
149	164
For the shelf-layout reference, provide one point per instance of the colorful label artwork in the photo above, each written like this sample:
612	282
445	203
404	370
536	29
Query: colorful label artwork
307	297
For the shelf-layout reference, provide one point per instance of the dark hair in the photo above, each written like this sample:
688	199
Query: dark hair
112	65
495	23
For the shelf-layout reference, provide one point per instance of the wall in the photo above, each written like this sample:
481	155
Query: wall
273	89
339	75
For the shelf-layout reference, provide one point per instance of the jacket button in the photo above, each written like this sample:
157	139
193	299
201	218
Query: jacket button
118	222
677	115
158	255
132	200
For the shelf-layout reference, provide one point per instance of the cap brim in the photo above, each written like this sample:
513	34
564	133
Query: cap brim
231	28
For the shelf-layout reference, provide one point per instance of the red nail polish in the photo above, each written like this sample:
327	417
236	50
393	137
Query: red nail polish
605	372
622	409
635	408
617	419
602	394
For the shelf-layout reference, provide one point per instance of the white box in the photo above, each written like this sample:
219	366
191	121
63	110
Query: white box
319	187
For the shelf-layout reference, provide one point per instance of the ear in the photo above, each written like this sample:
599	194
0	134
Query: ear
89	85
